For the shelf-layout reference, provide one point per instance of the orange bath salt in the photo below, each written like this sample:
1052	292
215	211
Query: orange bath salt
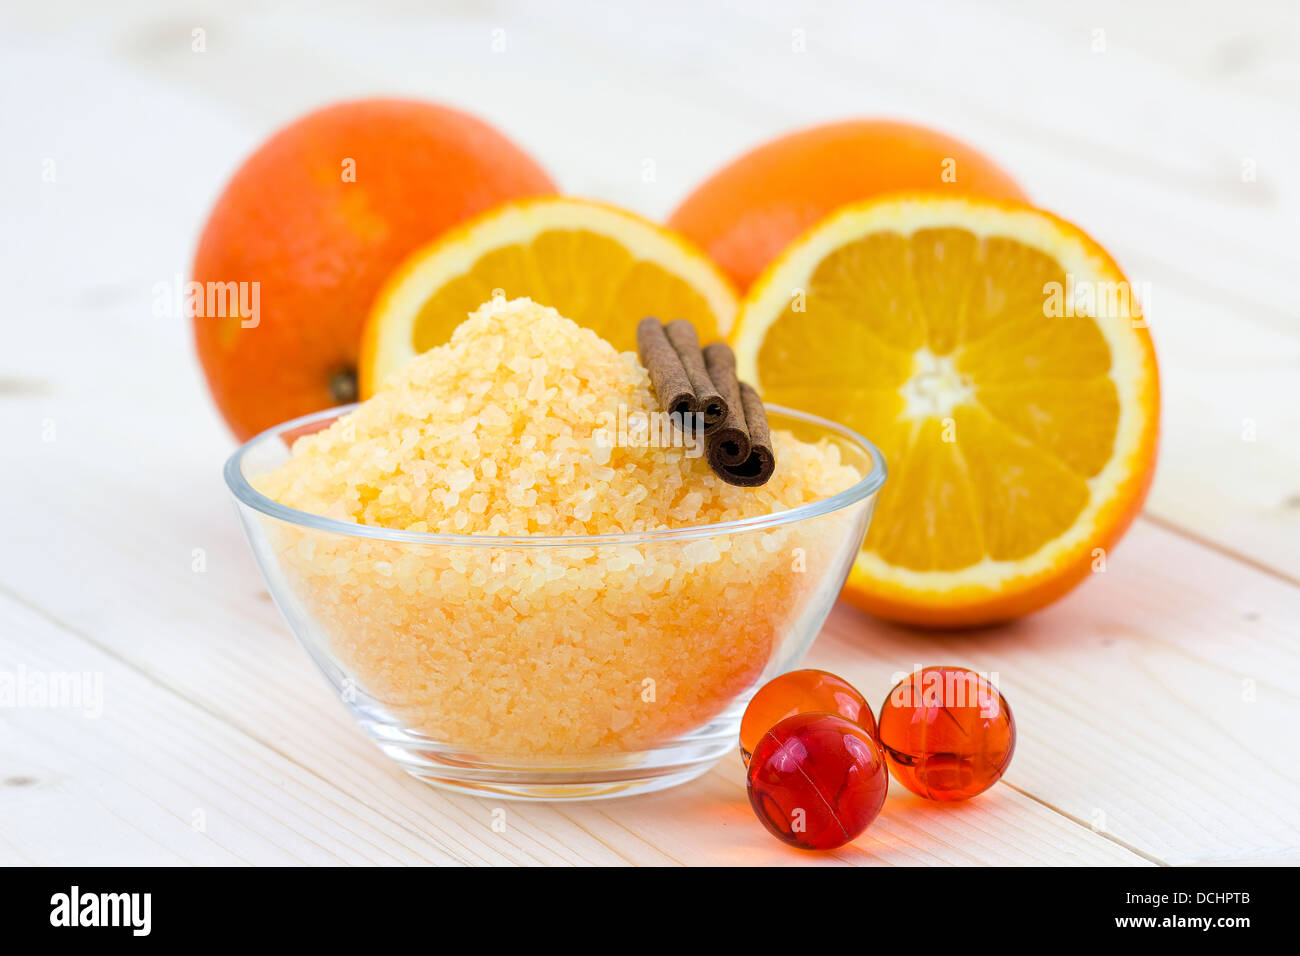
519	426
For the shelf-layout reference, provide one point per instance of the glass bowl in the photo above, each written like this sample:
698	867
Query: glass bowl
563	667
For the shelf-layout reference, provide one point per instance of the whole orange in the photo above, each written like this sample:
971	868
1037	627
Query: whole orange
746	213
309	228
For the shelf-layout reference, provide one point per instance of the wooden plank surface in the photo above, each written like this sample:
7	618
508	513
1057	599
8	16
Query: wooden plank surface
1153	703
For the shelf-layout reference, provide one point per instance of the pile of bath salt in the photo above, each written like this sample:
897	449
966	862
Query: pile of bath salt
518	426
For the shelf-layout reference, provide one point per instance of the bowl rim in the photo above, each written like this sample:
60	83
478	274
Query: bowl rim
245	493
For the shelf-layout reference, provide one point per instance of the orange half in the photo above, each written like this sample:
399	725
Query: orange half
1000	360
599	265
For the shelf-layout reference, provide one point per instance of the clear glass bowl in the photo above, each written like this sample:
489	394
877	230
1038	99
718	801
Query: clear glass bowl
554	668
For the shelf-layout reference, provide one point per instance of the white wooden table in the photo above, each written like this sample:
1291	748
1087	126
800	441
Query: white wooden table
1157	704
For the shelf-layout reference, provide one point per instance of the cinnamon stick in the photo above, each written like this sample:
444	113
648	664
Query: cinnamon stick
689	380
667	373
731	437
758	467
708	400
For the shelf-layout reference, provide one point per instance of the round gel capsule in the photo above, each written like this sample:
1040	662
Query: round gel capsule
816	781
947	733
801	692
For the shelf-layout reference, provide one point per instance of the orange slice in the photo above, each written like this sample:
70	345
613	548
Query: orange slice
999	359
601	266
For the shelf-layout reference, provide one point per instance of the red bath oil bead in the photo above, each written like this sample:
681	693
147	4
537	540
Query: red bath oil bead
947	733
801	692
817	781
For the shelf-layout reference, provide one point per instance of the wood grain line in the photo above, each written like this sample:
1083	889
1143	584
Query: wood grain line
1073	819
1217	547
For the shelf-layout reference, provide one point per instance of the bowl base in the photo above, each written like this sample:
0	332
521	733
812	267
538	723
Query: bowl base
544	791
594	777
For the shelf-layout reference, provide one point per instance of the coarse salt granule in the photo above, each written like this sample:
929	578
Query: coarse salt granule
507	431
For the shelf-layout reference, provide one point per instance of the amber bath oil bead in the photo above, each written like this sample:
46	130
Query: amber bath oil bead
947	733
801	692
